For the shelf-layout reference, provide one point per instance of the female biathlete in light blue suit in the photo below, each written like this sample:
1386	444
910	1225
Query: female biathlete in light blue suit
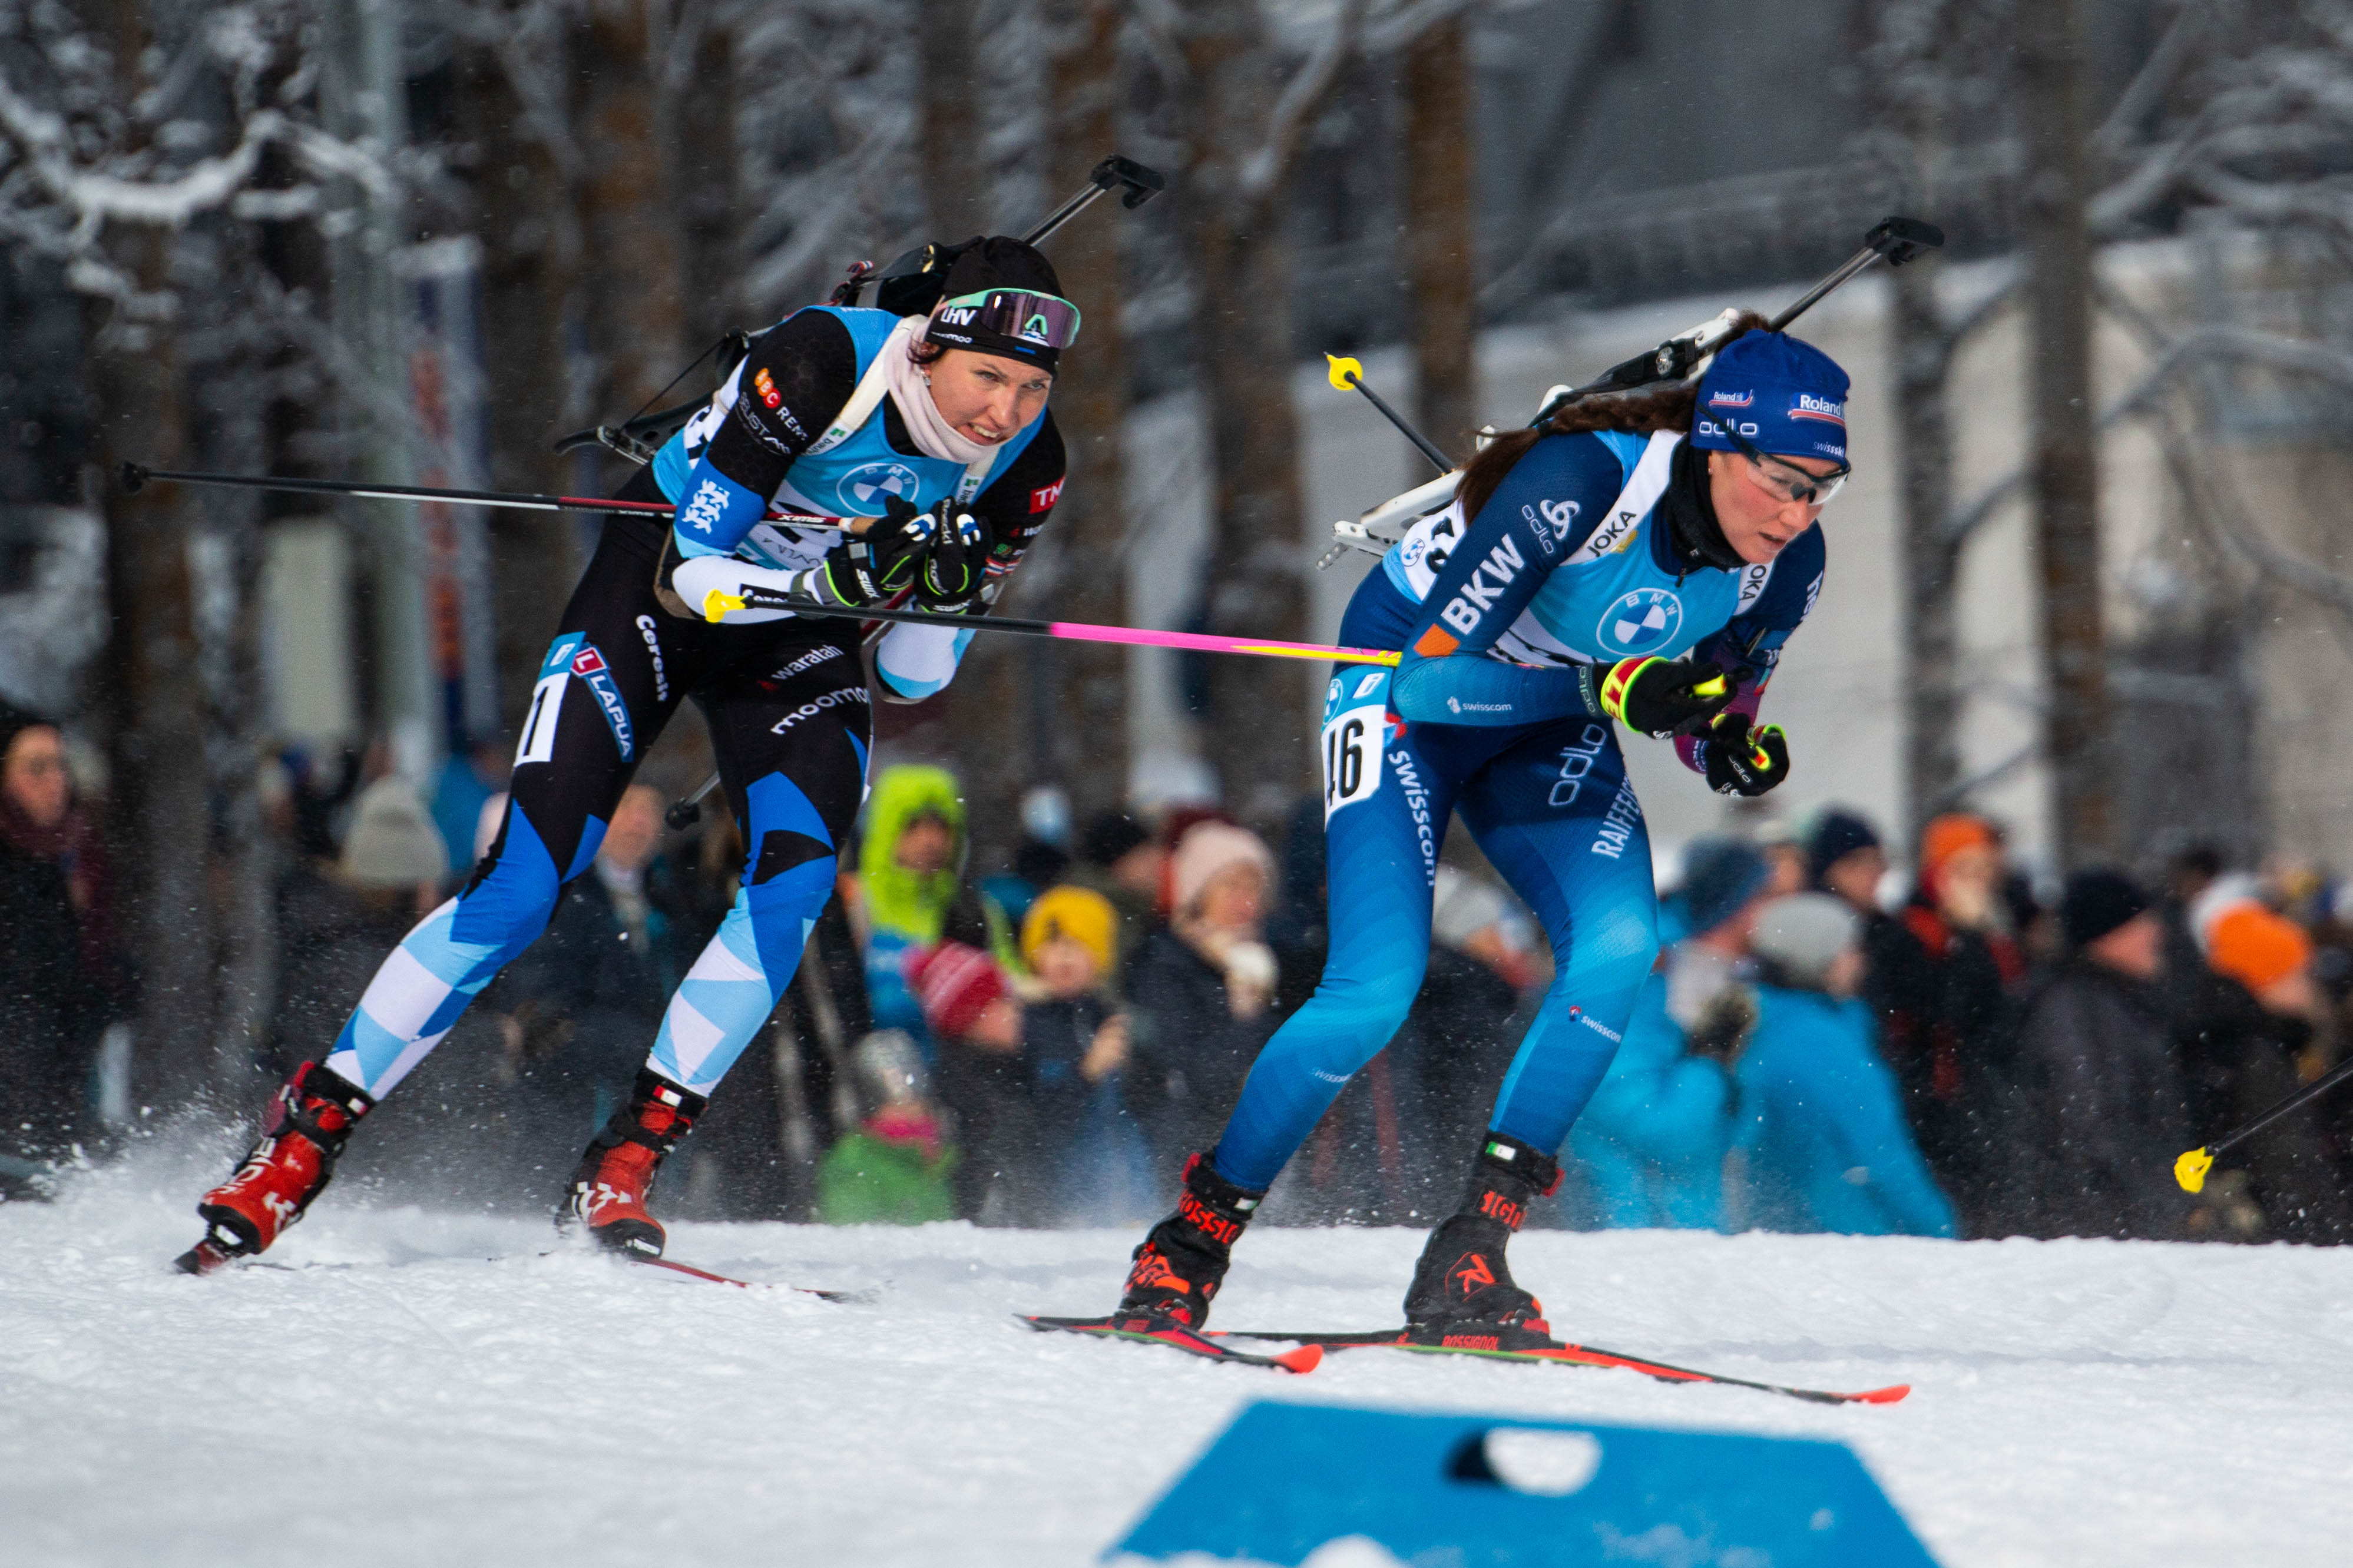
1640	558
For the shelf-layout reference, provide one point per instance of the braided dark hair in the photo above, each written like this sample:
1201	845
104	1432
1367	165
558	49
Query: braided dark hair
1644	411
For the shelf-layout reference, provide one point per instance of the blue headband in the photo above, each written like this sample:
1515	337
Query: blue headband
1780	393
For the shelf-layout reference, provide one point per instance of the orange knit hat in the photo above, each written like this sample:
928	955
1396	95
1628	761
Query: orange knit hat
1947	835
2254	946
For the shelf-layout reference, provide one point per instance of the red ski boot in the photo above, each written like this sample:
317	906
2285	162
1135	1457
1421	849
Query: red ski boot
1463	1292
609	1189
302	1137
1183	1261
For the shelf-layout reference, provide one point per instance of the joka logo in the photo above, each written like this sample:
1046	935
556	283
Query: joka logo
1731	399
860	490
1639	621
767	388
1808	406
1614	535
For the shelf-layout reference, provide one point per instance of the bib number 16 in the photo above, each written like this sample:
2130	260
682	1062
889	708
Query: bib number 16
1352	757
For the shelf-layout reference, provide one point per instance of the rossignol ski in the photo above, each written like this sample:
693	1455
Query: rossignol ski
1176	1337
1559	1353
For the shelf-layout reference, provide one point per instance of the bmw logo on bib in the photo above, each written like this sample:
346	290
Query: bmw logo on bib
863	489
1640	622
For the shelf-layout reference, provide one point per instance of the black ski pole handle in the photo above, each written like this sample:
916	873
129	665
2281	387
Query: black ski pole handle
687	810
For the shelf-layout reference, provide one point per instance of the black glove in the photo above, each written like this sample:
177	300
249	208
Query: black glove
870	567
1662	696
1742	759
955	565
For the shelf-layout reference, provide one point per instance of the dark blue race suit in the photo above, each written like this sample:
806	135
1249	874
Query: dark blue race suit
1569	566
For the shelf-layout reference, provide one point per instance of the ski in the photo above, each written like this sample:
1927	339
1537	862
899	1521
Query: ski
202	1258
1565	1354
1146	1331
206	1259
690	1272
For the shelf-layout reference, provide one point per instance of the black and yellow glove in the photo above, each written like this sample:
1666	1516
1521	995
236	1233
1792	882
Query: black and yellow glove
1663	697
954	566
1744	759
867	568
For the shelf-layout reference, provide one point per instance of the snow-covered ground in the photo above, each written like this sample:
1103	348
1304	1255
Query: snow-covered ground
435	1388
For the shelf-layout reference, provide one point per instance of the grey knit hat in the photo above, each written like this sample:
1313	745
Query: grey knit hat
1803	934
392	843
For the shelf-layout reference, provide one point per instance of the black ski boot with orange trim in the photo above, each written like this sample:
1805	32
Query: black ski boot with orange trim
1184	1260
1463	1294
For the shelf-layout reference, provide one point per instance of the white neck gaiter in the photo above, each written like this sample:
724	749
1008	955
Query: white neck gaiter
933	436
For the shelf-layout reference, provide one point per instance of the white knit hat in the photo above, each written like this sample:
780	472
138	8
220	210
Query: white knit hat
1804	934
393	844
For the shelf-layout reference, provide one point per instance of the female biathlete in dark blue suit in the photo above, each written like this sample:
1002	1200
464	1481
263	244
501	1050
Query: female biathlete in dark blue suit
1639	558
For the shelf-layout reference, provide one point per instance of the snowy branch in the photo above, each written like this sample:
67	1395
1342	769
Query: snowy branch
1263	170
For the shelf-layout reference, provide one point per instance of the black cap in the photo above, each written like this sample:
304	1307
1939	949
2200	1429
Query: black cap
998	262
1838	835
1110	836
2098	900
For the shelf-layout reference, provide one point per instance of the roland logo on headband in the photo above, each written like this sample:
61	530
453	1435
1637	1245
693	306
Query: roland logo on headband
1808	406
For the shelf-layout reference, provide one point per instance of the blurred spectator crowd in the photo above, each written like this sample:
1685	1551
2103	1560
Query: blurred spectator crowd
1827	1044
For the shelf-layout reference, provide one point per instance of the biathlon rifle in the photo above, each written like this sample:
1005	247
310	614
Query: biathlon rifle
1894	240
909	285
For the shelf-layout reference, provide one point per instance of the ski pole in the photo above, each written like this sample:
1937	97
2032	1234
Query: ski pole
684	812
1348	373
2192	1168
751	596
136	475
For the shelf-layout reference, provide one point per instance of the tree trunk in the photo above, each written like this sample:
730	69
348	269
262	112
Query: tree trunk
2063	469
1088	717
1921	344
955	176
362	100
1440	238
161	827
635	294
1257	722
525	214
